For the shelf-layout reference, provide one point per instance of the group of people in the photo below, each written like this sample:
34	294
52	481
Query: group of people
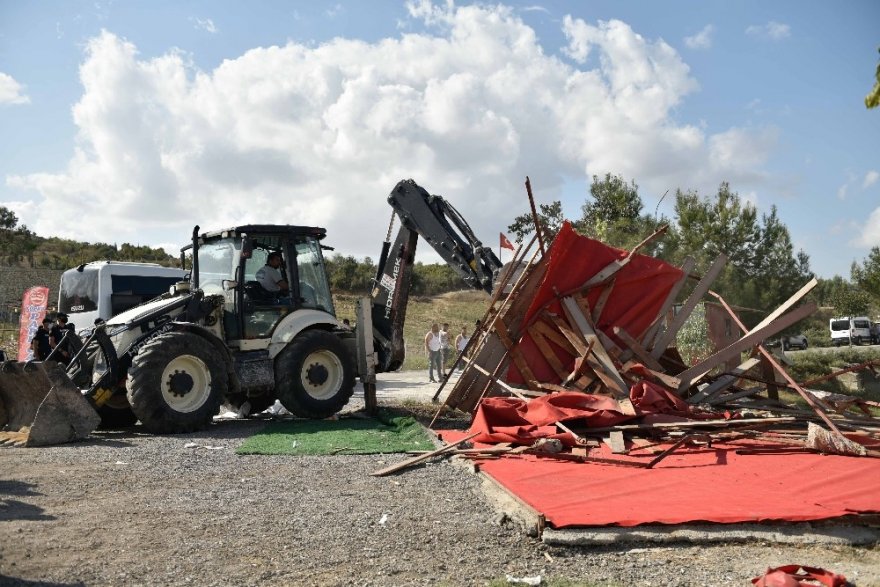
440	350
50	335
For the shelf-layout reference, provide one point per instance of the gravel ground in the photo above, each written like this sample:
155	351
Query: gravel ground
126	508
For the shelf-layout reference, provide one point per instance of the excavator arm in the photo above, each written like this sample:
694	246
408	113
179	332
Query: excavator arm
441	225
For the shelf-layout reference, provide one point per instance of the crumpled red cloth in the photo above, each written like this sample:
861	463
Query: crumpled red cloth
651	398
507	419
797	576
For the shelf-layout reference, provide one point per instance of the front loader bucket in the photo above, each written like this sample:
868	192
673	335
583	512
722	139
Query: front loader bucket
39	405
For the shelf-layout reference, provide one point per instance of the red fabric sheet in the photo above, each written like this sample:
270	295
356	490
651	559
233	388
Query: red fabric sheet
506	419
707	484
640	289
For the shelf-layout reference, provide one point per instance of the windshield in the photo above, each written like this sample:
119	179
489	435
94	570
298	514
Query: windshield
861	324
840	325
79	291
217	261
313	287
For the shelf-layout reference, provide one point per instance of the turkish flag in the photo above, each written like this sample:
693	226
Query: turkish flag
506	244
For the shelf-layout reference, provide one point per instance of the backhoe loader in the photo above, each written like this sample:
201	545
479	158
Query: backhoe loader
222	337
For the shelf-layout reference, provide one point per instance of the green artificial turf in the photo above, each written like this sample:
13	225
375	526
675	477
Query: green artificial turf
385	434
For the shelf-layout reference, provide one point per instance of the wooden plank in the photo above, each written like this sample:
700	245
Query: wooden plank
691	424
723	382
572	336
555	337
548	353
420	458
603	299
615	441
518	359
755	336
696	295
609	345
638	350
617	386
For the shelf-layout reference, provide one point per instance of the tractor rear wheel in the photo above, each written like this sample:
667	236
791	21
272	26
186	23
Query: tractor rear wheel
176	383
314	375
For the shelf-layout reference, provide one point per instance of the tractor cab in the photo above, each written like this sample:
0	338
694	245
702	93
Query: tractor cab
264	273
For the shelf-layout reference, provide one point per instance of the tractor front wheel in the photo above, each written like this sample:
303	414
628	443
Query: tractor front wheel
314	375
176	383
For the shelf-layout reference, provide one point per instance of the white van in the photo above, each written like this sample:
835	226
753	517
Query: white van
102	289
850	330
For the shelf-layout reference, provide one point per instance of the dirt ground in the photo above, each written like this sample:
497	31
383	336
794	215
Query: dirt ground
126	508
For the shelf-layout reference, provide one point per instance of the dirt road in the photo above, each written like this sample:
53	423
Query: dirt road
127	508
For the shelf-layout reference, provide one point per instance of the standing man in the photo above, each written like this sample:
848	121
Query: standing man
435	355
62	352
461	341
445	347
40	343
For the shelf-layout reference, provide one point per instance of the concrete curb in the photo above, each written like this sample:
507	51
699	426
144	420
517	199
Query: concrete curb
799	533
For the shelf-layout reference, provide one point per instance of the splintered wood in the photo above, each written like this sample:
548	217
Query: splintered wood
589	319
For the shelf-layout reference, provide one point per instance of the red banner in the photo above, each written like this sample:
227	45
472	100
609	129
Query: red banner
33	310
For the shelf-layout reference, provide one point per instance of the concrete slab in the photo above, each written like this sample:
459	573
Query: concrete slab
833	533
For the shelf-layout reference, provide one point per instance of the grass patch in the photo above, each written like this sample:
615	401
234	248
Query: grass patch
812	364
388	433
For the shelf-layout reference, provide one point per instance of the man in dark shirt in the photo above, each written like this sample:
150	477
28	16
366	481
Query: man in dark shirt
40	343
62	352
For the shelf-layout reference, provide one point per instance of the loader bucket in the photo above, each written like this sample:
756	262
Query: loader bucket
39	405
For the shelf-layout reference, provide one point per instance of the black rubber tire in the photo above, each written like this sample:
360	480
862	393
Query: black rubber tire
163	375
314	375
116	413
785	345
806	345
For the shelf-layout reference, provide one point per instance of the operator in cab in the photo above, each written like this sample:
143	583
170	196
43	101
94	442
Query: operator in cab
270	276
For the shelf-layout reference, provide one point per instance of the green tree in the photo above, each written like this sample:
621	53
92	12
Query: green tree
867	274
872	100
762	269
549	215
614	216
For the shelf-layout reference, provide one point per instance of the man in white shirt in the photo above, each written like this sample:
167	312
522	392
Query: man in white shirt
435	355
270	276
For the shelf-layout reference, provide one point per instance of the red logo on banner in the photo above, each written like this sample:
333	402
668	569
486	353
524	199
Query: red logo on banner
33	310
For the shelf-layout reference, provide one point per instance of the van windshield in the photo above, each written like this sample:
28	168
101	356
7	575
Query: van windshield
861	324
79	291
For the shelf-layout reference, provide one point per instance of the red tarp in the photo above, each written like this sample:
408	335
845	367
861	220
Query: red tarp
640	289
698	484
505	419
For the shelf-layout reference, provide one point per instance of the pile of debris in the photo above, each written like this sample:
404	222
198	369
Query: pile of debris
579	350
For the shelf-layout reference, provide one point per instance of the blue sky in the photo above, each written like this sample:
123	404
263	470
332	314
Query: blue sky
133	121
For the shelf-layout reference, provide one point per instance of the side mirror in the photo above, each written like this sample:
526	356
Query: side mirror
229	284
247	247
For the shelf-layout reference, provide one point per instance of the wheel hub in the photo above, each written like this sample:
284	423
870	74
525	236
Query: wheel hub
317	374
180	383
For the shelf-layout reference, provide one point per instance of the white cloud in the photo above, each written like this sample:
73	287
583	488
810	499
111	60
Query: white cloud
204	24
870	235
319	135
841	191
702	40
11	92
870	179
773	31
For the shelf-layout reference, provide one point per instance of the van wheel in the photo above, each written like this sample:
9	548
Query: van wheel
785	345
176	383
314	375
